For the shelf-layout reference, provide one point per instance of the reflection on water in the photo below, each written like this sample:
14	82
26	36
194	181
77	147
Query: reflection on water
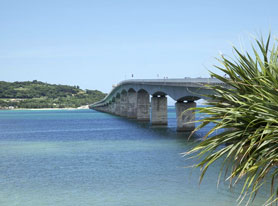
83	157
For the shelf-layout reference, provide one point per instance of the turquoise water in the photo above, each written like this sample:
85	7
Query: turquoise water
87	158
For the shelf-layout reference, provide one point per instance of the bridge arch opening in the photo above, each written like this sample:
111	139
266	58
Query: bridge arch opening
159	94
131	90
143	91
188	99
123	92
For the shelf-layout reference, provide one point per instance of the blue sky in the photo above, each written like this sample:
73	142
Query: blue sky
95	44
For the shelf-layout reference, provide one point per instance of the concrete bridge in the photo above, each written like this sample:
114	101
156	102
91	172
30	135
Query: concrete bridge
131	99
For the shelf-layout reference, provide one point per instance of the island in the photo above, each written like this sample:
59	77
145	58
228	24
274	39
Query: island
36	95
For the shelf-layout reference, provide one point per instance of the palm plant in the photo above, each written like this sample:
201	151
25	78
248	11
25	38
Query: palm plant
247	107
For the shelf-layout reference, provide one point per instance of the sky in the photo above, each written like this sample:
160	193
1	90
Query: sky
95	44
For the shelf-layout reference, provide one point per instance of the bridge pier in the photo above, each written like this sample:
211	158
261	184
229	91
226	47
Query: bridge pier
105	108
124	104
118	106
99	109
185	118
143	106
113	107
131	104
102	108
159	110
110	108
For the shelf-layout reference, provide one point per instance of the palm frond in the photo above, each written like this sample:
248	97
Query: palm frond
249	107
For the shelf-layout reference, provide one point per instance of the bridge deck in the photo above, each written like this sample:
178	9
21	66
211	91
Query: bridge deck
178	89
131	99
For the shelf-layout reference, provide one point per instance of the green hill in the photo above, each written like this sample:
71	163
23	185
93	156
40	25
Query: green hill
36	94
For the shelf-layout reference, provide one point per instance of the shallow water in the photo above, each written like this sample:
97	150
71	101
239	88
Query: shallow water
88	158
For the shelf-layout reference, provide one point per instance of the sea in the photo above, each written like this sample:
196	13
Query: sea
89	158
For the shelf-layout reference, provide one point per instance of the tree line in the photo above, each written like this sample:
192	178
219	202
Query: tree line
37	94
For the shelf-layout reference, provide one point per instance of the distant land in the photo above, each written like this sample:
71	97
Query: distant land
36	95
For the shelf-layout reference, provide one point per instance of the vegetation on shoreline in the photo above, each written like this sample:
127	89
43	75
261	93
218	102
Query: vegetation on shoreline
248	109
36	94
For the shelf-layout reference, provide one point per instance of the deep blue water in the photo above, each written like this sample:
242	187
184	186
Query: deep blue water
88	158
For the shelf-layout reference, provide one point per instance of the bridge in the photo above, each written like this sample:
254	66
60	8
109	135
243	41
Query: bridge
131	99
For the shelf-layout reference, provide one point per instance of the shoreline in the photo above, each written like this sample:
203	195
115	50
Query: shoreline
47	109
38	109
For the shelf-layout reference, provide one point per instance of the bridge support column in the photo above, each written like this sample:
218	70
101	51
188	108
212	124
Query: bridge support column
113	107
102	108
143	106
159	110
124	104
118	106
185	118
105	108
110	108
132	104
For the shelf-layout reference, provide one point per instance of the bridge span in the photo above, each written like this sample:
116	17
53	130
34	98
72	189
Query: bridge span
131	99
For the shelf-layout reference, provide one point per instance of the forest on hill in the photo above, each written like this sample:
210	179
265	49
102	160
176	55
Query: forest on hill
36	94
